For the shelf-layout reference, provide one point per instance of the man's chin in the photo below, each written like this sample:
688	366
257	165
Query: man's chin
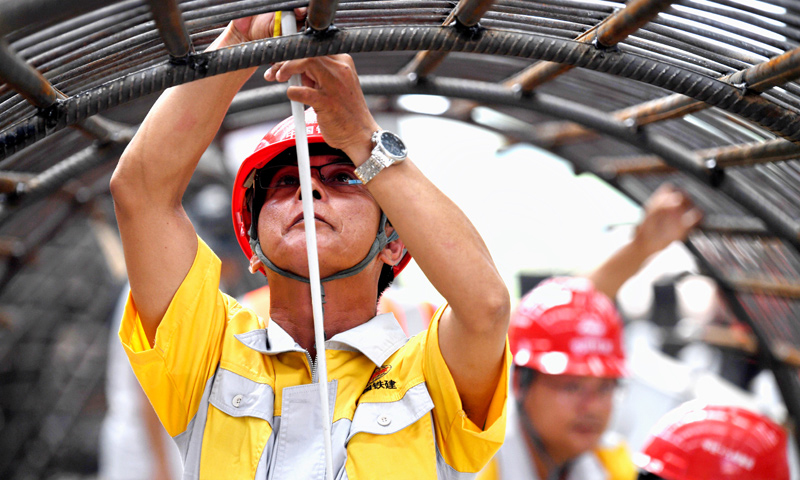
582	443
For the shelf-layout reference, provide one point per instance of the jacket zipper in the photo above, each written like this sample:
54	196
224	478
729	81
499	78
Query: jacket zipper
313	366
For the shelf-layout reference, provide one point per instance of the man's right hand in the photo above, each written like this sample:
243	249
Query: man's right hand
257	27
669	216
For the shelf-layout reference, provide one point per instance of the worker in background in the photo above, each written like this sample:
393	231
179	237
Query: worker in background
566	341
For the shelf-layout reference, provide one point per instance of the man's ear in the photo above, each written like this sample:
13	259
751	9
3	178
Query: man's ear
392	253
255	264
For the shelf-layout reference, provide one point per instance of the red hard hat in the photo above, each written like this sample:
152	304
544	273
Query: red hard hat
700	442
565	326
278	139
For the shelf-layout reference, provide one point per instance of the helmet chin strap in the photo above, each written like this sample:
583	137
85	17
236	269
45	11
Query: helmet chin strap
554	470
381	240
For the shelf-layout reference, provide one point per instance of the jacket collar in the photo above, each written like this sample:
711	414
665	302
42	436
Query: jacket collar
376	339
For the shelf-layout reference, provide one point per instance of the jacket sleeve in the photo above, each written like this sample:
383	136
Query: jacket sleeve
187	350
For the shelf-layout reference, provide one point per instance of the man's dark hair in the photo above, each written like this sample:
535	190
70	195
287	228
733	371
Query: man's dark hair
523	377
385	280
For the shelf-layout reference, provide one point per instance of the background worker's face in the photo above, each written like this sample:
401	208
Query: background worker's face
569	412
346	223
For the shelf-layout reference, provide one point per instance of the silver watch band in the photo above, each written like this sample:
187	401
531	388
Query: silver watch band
367	170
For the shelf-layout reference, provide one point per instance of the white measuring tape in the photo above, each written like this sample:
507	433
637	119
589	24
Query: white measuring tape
289	26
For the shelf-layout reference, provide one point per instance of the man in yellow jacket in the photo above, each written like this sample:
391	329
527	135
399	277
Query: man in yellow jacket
235	391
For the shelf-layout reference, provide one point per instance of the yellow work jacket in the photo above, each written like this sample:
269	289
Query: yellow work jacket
236	394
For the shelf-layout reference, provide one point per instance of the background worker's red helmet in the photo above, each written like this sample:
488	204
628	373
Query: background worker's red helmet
276	141
699	442
565	326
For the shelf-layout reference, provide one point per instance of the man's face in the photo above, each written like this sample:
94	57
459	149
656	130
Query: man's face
569	412
346	219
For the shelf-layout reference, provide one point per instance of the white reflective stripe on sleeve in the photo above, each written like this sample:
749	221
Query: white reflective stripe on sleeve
191	441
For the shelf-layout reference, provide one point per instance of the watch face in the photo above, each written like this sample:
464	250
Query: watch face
393	145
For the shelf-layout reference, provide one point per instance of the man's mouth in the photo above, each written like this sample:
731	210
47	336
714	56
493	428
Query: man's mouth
587	428
298	219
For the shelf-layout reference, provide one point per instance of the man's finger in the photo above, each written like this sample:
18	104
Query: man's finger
692	218
305	95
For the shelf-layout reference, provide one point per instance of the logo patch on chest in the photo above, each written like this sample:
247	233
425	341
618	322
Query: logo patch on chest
376	382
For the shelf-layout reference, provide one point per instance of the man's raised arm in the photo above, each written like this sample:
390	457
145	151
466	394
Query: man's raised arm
148	184
669	216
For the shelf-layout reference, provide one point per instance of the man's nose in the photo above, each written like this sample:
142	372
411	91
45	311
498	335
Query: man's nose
317	187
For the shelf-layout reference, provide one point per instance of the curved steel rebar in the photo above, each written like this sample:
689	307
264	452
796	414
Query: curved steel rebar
160	77
196	14
498	95
733	184
22	13
54	177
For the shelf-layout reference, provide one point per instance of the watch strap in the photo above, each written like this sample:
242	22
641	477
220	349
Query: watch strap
367	170
377	161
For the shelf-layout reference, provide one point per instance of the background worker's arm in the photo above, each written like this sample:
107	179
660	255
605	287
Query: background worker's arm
669	216
439	236
148	184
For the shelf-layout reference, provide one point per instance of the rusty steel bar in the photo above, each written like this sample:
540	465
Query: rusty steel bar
557	133
466	13
611	167
665	108
9	180
767	287
774	150
608	33
469	12
171	27
758	78
423	63
321	13
25	79
634	16
775	71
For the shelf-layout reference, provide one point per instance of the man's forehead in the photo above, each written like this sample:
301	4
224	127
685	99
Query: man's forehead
319	154
328	159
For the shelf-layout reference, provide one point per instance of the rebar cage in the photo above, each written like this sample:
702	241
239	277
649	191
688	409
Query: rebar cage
698	93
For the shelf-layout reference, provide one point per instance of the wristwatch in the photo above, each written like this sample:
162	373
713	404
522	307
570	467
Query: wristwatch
389	149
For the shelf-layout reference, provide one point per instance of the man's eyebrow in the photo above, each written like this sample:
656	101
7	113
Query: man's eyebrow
342	159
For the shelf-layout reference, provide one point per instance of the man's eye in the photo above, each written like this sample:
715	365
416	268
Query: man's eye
343	178
608	387
285	180
571	387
